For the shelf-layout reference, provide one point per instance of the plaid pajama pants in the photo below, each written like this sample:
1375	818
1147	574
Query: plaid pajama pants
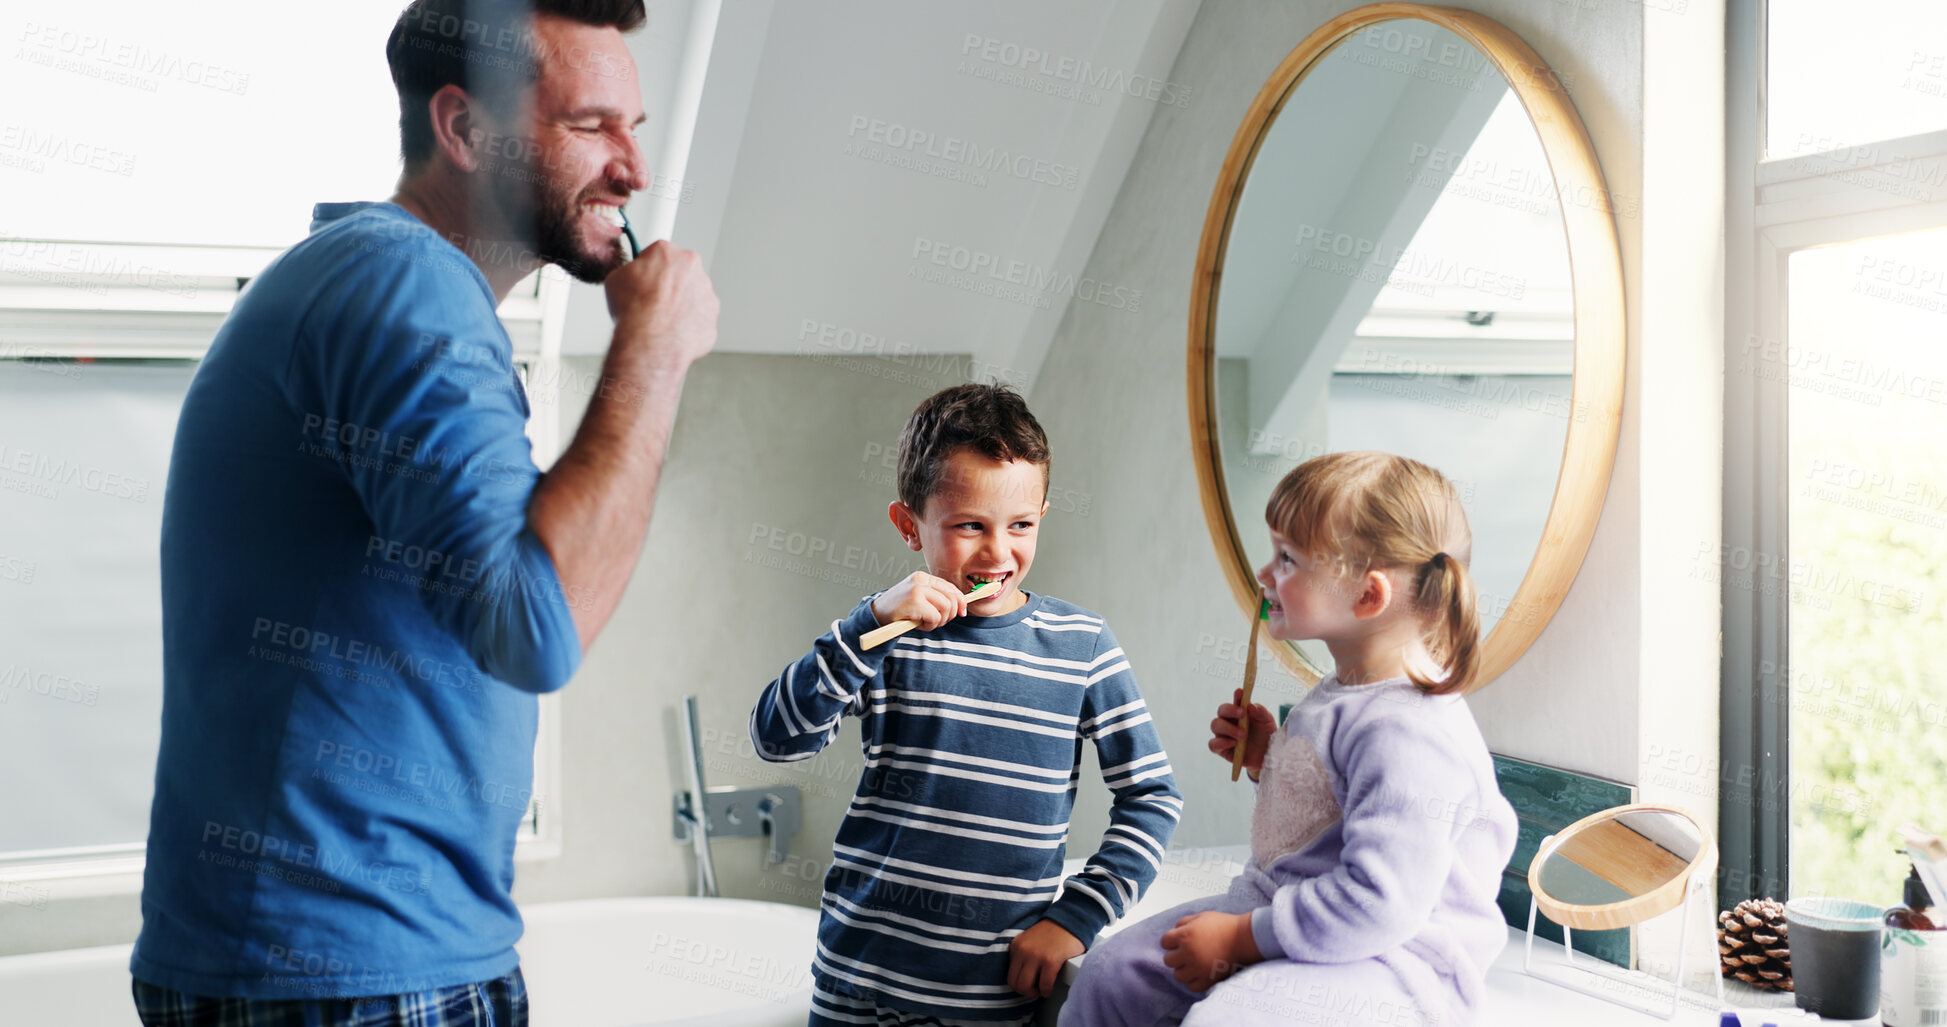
495	1003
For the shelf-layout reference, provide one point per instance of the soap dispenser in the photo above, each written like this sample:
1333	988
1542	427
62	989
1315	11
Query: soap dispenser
1913	961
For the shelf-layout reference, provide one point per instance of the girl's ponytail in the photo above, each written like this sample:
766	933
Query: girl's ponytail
1446	593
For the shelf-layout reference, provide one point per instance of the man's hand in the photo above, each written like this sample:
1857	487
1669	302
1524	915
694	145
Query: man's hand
1225	731
663	303
1036	955
921	598
1205	948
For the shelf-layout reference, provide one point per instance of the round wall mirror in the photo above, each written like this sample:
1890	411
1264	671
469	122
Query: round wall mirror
1411	248
1620	866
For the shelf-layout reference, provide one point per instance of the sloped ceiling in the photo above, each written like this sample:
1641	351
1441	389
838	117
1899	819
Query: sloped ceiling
903	178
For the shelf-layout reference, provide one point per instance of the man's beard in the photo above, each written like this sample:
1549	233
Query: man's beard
551	225
557	240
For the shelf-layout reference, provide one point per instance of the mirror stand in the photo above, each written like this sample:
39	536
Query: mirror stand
1696	886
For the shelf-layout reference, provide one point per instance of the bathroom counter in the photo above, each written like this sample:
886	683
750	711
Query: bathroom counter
1513	997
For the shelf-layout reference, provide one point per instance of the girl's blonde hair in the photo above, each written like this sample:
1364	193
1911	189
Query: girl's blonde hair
1367	511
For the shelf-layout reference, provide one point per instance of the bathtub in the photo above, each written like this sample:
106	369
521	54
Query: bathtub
668	961
597	963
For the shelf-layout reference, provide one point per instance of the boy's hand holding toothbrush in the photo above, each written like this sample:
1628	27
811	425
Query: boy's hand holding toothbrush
921	598
1225	731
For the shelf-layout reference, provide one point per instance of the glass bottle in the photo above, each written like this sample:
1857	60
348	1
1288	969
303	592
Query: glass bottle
1913	962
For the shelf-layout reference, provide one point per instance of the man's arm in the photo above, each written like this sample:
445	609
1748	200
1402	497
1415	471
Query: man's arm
591	509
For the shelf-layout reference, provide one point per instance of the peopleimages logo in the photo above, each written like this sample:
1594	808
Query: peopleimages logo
54	471
128	57
1020	280
893	137
64	149
1080	74
87	266
357	659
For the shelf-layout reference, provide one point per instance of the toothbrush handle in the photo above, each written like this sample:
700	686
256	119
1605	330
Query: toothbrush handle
635	248
881	635
1244	720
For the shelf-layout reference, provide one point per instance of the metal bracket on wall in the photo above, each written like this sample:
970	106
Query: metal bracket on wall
774	813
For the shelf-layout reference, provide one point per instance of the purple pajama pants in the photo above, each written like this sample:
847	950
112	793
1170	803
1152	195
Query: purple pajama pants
1123	983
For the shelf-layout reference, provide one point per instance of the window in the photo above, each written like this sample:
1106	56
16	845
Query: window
174	150
213	123
1827	91
84	449
1835	558
1867	516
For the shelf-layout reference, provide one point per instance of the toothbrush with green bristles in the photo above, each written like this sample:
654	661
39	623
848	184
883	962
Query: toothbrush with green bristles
881	635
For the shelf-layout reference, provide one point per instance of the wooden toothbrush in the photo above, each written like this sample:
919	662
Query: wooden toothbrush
1250	680
881	635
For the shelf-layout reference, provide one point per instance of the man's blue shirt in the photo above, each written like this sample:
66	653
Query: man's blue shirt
356	622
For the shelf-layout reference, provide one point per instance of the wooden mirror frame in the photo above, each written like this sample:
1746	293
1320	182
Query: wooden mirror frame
1608	916
1595	266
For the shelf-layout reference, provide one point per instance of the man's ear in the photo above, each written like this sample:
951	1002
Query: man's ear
454	130
903	519
1375	595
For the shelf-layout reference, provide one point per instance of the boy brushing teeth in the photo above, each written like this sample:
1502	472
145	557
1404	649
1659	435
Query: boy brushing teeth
945	897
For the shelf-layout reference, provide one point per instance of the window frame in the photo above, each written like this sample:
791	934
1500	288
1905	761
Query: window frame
90	313
1774	208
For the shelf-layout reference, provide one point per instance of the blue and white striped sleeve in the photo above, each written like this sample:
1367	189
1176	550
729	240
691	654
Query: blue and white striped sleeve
798	714
1147	804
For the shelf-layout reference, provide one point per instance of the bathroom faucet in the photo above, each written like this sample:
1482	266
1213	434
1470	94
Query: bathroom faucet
695	811
777	841
773	812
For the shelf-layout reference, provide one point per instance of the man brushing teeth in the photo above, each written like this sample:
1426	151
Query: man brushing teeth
610	213
291	495
554	178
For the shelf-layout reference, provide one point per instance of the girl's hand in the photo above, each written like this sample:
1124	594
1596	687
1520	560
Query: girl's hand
1225	733
1205	948
922	598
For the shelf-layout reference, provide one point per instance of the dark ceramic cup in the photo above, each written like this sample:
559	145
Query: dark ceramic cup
1835	956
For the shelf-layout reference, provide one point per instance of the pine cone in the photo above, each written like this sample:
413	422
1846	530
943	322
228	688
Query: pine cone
1753	944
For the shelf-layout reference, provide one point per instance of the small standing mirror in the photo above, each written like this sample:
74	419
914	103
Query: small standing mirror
1615	869
1620	867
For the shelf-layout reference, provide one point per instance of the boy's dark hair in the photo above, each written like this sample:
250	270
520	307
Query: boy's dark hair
992	420
486	47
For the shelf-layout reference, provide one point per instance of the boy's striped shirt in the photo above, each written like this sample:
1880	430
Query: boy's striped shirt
954	842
